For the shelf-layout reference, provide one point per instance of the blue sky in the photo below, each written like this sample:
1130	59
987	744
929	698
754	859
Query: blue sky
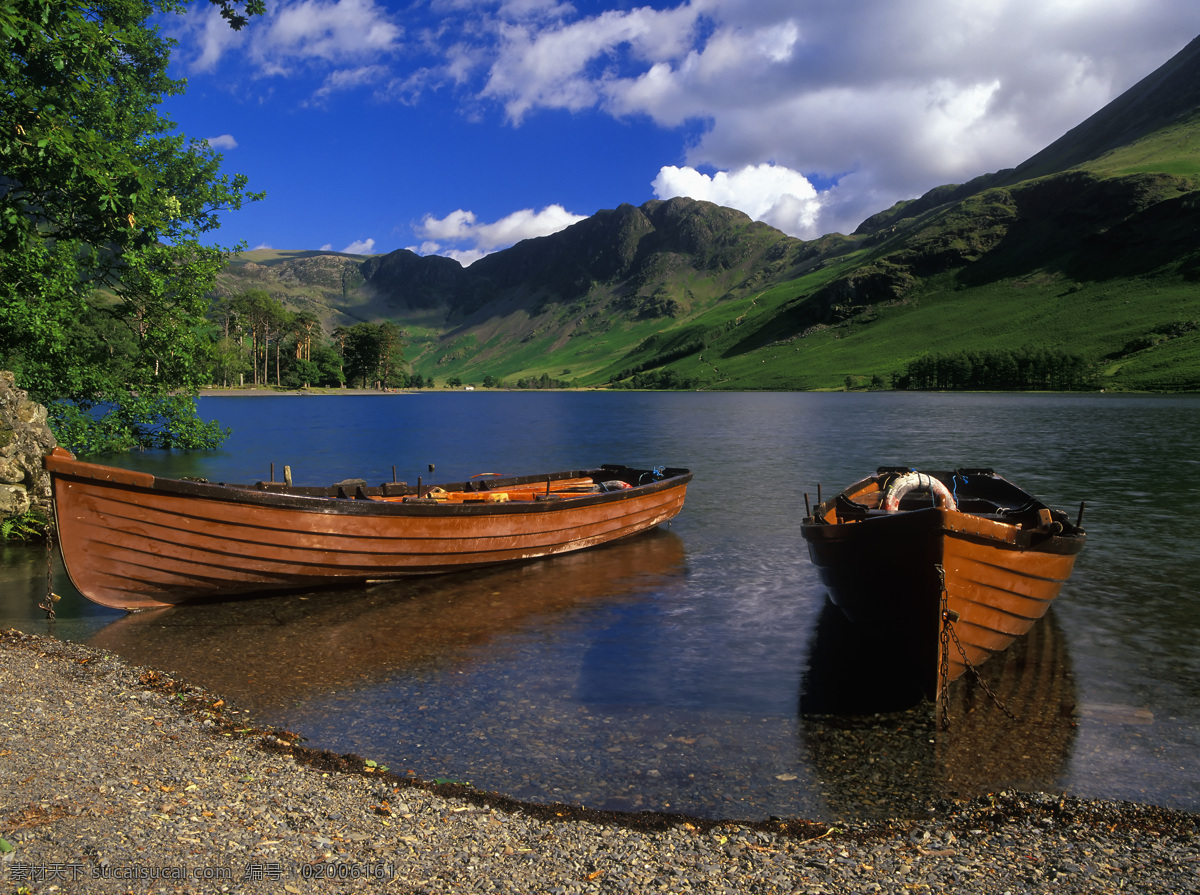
459	127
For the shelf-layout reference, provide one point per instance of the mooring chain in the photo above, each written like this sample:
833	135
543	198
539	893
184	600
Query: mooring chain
51	597
948	633
944	636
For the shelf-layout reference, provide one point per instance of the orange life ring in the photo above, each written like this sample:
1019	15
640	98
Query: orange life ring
917	481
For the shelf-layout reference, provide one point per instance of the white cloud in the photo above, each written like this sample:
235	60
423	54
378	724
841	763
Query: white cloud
886	98
771	193
569	65
348	38
360	247
331	31
469	239
349	78
209	37
223	143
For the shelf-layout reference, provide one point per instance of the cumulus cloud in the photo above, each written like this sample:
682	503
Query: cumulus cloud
882	98
345	38
223	143
360	247
209	37
876	100
770	193
460	234
569	65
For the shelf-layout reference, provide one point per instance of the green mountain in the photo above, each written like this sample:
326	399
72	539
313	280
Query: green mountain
1090	249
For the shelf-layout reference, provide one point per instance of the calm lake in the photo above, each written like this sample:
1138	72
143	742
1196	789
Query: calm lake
667	672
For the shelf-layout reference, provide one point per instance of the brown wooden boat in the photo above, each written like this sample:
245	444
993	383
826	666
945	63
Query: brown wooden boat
131	540
957	563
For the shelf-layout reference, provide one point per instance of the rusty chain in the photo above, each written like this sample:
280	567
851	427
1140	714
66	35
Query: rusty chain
947	634
51	597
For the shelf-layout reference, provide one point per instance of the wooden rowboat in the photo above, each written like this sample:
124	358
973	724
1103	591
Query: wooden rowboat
131	540
958	563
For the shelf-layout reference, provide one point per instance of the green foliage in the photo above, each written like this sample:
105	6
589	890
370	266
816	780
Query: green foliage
167	421
329	367
373	353
30	526
656	379
539	382
996	370
103	278
236	18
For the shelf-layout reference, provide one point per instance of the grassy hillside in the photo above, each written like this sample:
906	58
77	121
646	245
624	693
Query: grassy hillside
1092	248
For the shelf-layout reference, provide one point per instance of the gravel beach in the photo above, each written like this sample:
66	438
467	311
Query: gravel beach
115	778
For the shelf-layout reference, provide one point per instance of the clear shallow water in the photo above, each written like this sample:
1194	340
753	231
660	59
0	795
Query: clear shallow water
667	672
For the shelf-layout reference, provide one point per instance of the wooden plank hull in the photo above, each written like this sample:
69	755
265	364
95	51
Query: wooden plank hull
134	541
984	578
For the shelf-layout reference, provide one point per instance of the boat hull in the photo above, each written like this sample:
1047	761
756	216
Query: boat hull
133	541
920	572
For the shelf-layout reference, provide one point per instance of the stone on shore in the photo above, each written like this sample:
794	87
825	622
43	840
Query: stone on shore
115	778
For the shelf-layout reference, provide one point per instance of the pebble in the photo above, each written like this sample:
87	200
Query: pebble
116	778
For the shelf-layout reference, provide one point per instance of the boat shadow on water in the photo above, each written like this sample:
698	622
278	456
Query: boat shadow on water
879	748
278	651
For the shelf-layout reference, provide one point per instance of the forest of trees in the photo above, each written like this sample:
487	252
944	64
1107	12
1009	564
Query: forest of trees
999	370
260	342
655	379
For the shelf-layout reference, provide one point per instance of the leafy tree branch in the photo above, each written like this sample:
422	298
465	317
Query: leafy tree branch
103	278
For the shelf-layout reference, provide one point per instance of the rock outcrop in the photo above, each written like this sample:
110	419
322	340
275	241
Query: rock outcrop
24	439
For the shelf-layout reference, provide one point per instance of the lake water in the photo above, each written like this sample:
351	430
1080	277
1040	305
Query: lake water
667	672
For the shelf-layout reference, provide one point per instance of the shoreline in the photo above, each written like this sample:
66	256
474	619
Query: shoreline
121	776
267	391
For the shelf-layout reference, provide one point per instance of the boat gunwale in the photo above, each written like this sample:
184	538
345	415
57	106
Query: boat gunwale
934	518
1068	542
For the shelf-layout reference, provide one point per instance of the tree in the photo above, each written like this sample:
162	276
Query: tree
372	353
362	350
303	371
304	329
329	366
264	320
391	355
103	279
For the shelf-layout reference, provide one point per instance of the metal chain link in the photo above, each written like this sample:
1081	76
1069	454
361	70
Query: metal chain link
51	597
944	652
947	634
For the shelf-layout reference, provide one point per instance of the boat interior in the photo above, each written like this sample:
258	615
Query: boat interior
482	488
977	491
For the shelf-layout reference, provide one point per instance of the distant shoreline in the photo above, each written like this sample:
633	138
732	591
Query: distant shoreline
260	392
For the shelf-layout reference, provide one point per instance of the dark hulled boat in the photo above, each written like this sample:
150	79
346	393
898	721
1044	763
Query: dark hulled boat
956	563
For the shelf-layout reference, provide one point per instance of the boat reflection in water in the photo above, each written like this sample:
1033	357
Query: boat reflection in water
879	749
266	654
